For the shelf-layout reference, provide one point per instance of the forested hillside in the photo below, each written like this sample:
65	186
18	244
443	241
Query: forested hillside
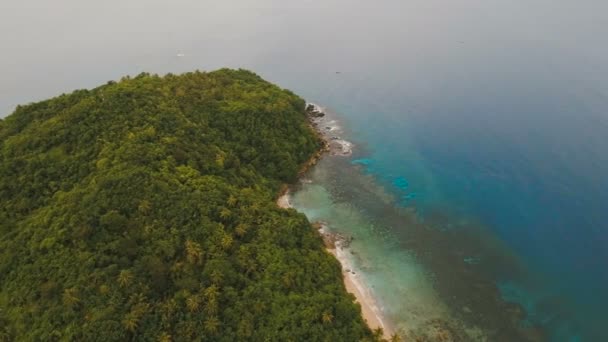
144	210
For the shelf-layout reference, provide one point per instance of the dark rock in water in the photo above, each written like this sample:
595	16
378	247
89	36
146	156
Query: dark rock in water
313	112
317	225
336	240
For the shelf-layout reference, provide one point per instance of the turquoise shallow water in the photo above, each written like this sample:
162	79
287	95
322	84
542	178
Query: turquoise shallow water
537	185
402	288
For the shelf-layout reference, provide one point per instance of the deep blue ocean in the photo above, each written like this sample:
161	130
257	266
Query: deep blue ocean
493	112
522	153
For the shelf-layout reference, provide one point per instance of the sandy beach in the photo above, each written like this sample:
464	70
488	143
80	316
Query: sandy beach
369	309
354	285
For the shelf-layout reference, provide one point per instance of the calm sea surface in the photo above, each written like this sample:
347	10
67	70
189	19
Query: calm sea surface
481	134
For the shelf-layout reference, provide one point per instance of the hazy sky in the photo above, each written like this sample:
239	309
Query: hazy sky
49	47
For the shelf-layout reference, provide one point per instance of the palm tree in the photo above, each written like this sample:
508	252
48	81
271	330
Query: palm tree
164	337
168	308
217	277
225	213
194	252
232	201
125	278
396	338
144	207
378	332
212	292
70	297
211	307
212	325
288	279
241	230
130	322
226	242
254	207
193	303
327	317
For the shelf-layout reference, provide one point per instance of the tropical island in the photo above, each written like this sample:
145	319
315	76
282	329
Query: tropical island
145	209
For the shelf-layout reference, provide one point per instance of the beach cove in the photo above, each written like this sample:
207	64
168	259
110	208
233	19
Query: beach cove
335	245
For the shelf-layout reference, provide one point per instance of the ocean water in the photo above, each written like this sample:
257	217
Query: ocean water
439	268
524	157
477	192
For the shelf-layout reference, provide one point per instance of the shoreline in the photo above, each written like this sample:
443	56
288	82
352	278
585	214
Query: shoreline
443	312
356	286
369	309
334	146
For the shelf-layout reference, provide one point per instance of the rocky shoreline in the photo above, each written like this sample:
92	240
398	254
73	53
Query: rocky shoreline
328	132
337	244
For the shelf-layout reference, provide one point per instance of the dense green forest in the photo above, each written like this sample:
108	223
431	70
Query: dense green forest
144	210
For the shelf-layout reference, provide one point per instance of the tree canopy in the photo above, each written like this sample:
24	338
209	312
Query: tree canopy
144	210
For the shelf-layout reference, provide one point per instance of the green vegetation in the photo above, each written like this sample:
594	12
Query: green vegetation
144	210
